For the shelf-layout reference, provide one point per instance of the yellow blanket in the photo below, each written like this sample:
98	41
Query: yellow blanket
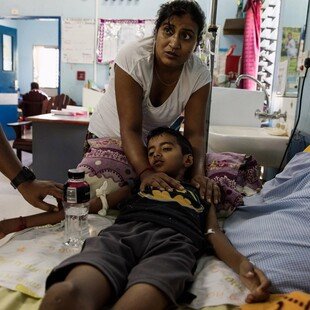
291	301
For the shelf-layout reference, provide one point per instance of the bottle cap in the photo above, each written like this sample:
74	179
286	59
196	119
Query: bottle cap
76	174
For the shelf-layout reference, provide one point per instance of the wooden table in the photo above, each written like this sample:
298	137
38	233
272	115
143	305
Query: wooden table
57	144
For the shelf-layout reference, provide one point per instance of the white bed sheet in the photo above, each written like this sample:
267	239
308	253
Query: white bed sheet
28	257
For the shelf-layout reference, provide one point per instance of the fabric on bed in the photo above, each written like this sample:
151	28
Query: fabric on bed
291	301
11	300
106	161
237	174
216	284
272	228
27	259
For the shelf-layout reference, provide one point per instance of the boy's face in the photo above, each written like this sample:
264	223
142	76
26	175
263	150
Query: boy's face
165	155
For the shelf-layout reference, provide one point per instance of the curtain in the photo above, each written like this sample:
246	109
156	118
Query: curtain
251	43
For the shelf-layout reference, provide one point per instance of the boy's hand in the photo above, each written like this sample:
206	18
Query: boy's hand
208	189
159	180
255	280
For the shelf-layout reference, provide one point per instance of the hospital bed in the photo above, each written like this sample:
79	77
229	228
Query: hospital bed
271	227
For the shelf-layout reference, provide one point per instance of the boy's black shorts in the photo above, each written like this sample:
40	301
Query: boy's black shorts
137	252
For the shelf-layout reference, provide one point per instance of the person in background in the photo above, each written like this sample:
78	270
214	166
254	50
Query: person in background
146	259
290	46
34	191
152	83
35	94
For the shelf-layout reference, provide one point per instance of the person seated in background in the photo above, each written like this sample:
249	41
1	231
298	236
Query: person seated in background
35	94
151	250
32	102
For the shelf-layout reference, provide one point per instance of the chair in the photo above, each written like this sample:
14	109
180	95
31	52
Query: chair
61	101
31	108
20	143
35	108
28	109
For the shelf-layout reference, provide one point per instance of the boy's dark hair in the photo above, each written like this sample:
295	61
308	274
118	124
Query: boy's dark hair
34	85
182	141
180	8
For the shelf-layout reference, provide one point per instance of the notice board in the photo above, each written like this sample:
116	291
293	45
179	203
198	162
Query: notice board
78	40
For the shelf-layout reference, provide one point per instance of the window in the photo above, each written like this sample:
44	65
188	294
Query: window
7	53
46	66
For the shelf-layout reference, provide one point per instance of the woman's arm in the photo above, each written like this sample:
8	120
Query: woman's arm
252	277
194	131
129	106
129	98
195	127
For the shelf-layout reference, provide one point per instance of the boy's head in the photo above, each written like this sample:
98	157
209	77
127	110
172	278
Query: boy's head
169	152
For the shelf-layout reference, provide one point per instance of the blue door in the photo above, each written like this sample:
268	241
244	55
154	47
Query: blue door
8	80
8	43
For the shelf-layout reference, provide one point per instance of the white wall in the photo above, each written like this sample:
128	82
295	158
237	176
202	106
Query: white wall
30	33
106	9
114	9
85	9
8	23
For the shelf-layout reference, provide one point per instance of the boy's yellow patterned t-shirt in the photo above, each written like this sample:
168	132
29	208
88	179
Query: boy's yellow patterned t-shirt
307	149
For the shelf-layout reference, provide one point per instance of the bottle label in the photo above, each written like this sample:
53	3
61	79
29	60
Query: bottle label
78	194
71	195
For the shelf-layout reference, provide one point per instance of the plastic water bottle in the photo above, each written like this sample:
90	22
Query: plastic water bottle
76	207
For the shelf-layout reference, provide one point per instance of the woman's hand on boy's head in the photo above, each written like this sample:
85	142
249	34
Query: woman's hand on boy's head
208	189
255	280
159	180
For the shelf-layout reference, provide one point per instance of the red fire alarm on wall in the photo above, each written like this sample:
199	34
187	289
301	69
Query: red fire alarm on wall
80	75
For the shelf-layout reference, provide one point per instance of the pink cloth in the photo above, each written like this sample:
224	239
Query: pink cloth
251	43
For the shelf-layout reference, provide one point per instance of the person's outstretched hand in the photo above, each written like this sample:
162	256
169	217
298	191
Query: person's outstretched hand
255	280
159	180
35	191
208	189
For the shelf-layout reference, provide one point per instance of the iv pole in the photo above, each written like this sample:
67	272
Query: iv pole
213	30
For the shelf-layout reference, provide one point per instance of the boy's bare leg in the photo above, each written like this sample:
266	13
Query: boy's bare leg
142	296
85	287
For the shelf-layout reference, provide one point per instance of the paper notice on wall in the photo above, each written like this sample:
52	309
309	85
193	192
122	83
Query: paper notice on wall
78	39
115	33
282	78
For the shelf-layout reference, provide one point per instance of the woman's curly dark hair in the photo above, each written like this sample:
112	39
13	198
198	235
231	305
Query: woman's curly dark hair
180	8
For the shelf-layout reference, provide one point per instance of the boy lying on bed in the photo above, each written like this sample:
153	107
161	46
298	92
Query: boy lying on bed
147	258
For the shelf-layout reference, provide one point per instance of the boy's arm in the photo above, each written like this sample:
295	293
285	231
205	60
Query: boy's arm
113	199
252	277
222	246
20	223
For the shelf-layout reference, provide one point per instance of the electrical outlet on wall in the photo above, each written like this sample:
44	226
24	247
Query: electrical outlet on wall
14	11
